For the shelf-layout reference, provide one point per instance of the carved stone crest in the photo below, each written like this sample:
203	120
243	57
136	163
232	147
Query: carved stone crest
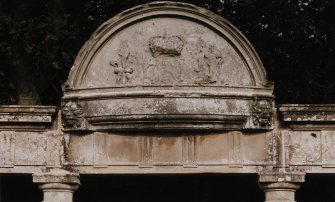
73	116
262	113
166	66
209	59
166	45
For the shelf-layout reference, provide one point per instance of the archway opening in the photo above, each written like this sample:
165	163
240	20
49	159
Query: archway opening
18	188
166	188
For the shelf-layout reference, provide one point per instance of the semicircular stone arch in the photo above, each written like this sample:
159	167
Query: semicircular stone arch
166	61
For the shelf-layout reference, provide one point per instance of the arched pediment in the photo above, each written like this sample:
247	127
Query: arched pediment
167	61
189	34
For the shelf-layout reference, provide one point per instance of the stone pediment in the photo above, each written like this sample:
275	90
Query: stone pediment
167	66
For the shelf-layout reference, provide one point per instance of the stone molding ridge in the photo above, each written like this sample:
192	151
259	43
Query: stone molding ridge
308	116
14	117
282	177
57	176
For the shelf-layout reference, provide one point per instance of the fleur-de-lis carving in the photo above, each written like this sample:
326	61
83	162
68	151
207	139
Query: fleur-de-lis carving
121	70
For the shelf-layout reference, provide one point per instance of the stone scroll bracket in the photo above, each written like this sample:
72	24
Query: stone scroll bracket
57	185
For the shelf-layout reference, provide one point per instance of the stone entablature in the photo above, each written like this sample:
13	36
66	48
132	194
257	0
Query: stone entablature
307	149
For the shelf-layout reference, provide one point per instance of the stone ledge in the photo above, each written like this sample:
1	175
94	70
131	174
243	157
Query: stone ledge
308	115
281	177
56	176
13	117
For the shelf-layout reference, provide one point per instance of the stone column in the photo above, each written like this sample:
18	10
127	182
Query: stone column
57	186
280	187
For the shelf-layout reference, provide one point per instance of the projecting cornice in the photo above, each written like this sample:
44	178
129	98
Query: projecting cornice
307	116
15	117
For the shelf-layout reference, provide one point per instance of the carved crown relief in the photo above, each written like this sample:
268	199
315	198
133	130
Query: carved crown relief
166	45
166	66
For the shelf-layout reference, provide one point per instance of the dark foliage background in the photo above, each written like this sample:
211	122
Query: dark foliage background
39	40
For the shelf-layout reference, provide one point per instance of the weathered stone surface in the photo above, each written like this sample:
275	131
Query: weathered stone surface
304	148
150	150
79	150
328	148
27	117
30	149
171	150
308	116
116	149
258	149
56	176
167	66
288	177
6	148
213	148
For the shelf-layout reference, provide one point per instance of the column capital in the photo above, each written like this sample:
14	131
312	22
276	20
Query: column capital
57	176
280	186
281	177
57	185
